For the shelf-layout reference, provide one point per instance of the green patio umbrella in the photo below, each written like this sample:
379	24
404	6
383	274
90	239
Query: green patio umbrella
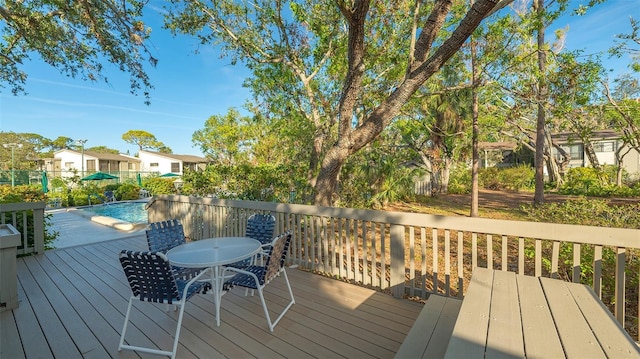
170	174
45	182
99	176
139	178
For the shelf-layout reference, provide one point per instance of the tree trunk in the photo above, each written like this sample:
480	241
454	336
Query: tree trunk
554	171
541	99
446	172
475	130
591	154
426	62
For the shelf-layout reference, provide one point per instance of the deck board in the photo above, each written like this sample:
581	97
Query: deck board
73	302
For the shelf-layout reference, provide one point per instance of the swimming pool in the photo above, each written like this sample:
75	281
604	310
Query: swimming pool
133	212
127	215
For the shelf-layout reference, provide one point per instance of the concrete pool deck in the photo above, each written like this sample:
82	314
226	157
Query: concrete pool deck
75	229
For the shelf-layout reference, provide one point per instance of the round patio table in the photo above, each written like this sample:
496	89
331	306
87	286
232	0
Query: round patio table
214	253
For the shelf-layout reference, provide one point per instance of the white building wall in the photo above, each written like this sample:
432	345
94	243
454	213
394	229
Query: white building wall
151	162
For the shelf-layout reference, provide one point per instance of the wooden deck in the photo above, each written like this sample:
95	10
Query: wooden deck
73	301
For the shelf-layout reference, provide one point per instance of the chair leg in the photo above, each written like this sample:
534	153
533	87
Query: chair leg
171	354
126	321
264	303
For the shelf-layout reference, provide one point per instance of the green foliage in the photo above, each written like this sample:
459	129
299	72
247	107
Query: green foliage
127	191
159	185
257	183
28	193
591	212
588	181
494	178
145	141
588	212
75	38
460	180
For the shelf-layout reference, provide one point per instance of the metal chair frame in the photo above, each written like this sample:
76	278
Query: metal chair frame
152	280
257	277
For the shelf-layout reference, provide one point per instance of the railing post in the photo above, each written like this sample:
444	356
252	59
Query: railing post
38	230
397	260
9	241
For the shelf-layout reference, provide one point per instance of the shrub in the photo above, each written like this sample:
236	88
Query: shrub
28	193
591	212
127	191
588	181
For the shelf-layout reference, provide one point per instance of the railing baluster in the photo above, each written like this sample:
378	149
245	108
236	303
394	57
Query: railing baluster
575	273
412	262
505	251
447	262
434	259
538	258
474	250
620	304
365	255
490	251
521	255
423	262
597	271
555	256
460	255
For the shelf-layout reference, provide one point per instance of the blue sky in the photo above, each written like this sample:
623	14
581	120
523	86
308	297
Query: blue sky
189	88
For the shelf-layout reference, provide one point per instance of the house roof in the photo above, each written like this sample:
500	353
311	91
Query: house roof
183	158
104	156
497	145
567	137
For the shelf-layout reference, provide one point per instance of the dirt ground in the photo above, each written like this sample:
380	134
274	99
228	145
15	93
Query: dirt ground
510	200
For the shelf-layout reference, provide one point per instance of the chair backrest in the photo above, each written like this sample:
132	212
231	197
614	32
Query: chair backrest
277	255
261	227
150	276
164	235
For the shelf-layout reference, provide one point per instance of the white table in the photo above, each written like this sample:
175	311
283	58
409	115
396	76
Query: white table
214	253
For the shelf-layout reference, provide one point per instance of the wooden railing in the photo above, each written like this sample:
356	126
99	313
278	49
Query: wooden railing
28	219
418	254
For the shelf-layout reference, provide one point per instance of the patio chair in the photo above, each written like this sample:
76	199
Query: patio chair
257	277
151	280
260	227
109	196
164	235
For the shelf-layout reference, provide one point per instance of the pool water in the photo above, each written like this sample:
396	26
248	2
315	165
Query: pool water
132	212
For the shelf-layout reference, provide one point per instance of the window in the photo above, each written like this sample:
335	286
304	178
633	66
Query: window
575	151
608	146
154	164
175	167
68	164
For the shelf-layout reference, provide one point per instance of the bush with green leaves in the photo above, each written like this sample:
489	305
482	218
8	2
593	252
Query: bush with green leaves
127	191
246	182
493	178
28	193
588	181
591	212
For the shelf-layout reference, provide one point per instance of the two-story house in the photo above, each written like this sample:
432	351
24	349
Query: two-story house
605	144
67	163
163	163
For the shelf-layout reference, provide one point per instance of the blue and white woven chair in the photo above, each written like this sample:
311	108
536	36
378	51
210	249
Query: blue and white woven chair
152	280
257	277
260	227
164	235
